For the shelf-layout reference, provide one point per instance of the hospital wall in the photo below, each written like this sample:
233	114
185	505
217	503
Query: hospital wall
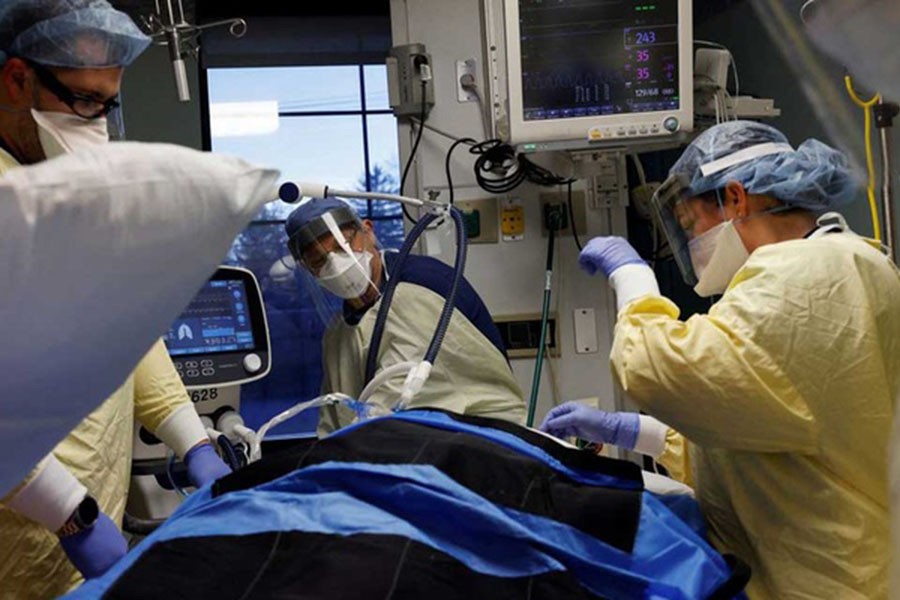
151	109
509	275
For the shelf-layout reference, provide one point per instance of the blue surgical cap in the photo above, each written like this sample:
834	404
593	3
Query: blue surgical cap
69	33
814	177
304	226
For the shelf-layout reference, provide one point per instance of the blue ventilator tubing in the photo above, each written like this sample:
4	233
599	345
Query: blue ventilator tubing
459	268
291	193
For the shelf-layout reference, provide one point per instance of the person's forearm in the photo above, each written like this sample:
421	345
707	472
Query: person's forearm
51	495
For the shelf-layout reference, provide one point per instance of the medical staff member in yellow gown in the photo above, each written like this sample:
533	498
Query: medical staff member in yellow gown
860	35
785	390
60	73
341	255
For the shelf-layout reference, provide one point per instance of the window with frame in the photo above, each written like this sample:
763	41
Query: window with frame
328	124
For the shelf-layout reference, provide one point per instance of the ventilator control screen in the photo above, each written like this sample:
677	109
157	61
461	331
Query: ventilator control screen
582	58
217	320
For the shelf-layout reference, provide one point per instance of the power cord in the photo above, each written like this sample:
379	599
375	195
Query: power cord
499	170
496	169
440	132
447	164
415	148
572	216
467	82
425	74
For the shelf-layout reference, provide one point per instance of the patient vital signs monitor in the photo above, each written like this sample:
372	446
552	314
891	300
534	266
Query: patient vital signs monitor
590	71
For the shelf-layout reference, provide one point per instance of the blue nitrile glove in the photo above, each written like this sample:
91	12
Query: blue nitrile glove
204	465
607	254
574	419
96	549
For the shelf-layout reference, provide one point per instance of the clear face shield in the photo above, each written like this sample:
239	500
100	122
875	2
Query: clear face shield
692	225
339	262
677	220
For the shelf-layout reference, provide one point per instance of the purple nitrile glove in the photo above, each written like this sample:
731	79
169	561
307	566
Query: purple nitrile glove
96	549
574	419
204	465
607	254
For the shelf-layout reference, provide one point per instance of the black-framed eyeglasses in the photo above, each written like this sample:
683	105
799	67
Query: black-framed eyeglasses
86	107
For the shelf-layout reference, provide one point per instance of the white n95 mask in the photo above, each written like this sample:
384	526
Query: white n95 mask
63	133
717	255
347	276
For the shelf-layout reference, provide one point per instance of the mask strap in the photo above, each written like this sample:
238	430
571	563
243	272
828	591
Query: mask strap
833	219
768	211
384	267
333	228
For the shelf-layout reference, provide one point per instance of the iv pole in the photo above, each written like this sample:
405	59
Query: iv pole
885	112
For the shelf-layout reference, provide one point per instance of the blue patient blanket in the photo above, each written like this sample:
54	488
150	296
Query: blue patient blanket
425	504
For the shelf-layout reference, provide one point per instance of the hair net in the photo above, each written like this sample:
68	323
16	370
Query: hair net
815	176
69	33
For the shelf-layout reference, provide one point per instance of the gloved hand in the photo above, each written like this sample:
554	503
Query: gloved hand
204	465
574	419
94	550
607	254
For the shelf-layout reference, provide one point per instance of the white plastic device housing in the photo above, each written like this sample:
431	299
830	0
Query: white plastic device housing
601	128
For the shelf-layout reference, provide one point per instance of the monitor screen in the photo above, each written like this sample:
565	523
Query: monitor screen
598	58
217	320
592	69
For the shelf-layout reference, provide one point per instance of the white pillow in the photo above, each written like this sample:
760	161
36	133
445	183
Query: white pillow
99	252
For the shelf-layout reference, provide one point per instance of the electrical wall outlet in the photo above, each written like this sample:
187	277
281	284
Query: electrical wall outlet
555	215
465	67
579	216
512	220
410	75
484	213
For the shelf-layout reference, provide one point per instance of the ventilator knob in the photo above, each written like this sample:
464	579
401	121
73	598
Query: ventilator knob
252	363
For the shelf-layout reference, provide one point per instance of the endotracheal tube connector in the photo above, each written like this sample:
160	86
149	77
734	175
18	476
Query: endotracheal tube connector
328	399
414	383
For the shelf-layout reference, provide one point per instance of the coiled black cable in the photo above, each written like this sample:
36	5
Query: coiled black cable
447	165
572	218
499	169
